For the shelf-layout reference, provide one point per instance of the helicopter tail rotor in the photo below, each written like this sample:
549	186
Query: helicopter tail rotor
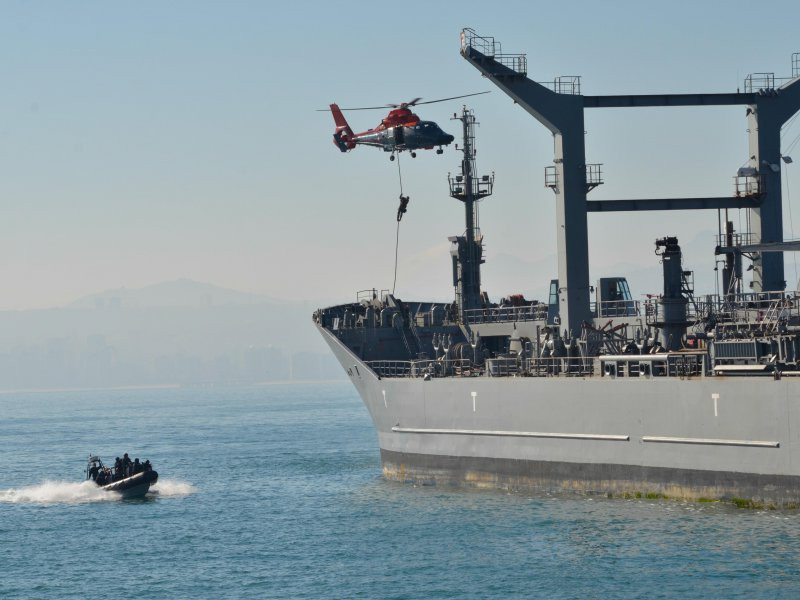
343	136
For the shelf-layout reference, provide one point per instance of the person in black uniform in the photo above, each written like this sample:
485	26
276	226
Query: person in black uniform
126	465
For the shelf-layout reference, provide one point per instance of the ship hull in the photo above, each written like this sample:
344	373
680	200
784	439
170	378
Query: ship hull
700	438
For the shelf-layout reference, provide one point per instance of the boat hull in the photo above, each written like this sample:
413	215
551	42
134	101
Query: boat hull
614	480
135	486
699	438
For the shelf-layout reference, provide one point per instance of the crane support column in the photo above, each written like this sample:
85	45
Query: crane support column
765	117
562	114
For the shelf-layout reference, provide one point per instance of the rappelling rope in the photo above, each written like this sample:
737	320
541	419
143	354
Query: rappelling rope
399	174
396	246
400	212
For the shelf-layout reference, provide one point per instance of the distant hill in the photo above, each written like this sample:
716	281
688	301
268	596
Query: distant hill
179	293
182	332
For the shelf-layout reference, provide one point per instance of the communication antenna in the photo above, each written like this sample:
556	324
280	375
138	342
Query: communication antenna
467	250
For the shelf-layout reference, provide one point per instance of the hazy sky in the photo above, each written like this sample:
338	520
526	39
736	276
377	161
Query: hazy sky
149	141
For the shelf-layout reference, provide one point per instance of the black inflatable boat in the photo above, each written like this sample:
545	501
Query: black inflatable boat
132	480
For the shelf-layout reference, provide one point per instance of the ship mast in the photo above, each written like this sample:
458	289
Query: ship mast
467	250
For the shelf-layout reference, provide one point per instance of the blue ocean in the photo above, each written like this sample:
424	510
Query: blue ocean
276	491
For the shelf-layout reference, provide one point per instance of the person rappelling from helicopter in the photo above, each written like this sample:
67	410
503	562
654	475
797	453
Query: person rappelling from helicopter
403	208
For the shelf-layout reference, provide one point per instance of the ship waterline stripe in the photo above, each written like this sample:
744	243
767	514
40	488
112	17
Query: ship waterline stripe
710	442
532	434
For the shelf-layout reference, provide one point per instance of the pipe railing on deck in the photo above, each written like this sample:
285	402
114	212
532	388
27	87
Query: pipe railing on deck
506	314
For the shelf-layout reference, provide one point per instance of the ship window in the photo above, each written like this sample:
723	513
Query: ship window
616	290
553	293
625	290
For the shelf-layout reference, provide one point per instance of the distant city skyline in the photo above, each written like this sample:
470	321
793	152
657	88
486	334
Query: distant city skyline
152	142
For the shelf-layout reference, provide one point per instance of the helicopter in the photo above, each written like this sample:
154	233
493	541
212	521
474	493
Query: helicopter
400	130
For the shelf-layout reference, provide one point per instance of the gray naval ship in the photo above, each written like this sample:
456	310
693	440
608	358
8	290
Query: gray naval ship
681	395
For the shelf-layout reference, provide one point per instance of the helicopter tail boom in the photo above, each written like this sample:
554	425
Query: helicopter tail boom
343	136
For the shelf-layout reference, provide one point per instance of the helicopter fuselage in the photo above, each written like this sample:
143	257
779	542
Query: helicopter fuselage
400	130
412	136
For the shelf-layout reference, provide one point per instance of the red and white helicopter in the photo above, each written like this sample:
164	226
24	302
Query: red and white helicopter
400	130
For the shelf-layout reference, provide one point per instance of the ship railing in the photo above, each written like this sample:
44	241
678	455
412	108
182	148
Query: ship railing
441	367
491	48
750	185
666	364
616	308
486	45
765	82
503	367
516	62
750	308
750	299
736	239
505	314
550	366
540	367
564	84
370	295
390	368
654	311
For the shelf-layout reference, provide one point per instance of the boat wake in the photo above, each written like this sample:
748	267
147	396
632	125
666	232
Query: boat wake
171	488
57	492
70	492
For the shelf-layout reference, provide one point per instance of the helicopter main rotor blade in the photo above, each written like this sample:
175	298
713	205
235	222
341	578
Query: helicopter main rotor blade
452	98
414	102
384	107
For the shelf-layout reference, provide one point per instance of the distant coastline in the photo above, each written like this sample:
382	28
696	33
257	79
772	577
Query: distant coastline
169	386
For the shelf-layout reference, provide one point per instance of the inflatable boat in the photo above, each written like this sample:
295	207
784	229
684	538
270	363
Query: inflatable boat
130	479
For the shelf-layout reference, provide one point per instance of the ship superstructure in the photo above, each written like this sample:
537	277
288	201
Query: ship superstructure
683	394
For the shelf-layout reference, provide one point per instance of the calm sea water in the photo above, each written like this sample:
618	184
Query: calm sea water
276	492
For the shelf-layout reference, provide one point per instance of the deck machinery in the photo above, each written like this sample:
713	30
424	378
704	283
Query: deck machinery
683	395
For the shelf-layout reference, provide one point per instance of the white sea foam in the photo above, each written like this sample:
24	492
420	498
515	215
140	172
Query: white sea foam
172	488
70	492
57	492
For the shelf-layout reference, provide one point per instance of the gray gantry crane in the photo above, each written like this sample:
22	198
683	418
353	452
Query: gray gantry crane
559	106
